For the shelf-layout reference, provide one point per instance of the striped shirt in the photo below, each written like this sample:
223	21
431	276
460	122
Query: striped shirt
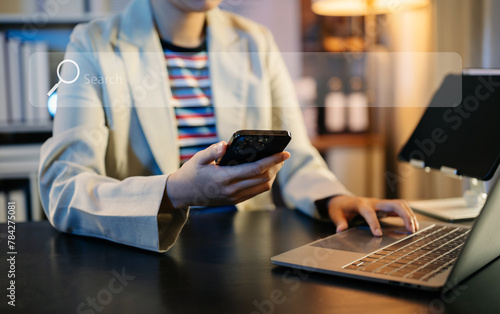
188	71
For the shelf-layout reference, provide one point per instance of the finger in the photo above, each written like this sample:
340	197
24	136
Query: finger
410	214
256	168
248	193
210	154
267	176
339	219
403	211
370	216
237	188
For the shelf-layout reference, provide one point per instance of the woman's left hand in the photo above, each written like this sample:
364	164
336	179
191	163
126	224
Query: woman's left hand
344	208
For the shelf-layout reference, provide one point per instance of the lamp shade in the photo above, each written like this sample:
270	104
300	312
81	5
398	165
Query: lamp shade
364	7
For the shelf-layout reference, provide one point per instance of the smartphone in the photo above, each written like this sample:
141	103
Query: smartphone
251	145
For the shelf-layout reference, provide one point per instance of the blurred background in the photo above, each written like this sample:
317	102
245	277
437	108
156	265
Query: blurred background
364	71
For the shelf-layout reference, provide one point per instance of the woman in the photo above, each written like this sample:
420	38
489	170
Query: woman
111	169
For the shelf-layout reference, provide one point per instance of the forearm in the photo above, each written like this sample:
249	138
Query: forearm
78	198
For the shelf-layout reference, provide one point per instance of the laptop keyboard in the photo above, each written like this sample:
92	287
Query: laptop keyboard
422	256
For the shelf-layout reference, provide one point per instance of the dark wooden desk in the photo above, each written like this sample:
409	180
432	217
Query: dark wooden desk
220	264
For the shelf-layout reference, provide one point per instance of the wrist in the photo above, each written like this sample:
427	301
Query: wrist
171	194
338	199
322	207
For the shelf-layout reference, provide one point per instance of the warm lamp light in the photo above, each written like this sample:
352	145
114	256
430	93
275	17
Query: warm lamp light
364	7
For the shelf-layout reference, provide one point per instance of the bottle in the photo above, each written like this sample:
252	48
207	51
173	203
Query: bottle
335	106
357	102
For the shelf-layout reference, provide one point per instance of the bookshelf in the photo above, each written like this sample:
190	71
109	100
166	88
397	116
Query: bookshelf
21	138
34	26
18	174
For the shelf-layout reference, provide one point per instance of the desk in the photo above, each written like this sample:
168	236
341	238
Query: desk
220	264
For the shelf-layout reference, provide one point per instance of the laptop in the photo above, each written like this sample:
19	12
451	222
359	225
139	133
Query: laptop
437	257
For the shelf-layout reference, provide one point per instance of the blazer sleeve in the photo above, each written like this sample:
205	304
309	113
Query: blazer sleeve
305	177
77	195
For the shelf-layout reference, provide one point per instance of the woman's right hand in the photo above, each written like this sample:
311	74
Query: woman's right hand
200	182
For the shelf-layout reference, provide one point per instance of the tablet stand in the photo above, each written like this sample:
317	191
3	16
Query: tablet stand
466	207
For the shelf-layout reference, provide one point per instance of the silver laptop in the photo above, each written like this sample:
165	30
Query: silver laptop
438	256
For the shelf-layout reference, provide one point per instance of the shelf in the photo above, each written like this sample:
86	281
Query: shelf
325	142
20	127
19	161
18	170
33	19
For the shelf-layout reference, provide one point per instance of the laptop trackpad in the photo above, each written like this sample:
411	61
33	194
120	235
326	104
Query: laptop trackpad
361	240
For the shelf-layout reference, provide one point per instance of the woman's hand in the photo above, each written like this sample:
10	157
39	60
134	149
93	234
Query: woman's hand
200	182
343	208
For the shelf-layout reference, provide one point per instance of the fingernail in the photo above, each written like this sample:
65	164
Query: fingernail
218	147
378	232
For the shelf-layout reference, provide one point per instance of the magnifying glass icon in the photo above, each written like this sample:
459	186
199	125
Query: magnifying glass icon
61	80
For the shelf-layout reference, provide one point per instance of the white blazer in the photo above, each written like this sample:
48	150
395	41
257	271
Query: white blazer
103	172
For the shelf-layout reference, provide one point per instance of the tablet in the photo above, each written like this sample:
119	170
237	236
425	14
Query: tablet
460	135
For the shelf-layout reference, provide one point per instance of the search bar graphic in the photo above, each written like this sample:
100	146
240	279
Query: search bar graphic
61	80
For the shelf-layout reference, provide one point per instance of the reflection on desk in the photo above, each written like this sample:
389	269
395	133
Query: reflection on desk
220	264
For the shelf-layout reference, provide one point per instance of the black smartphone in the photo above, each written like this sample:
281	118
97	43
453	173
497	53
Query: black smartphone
251	145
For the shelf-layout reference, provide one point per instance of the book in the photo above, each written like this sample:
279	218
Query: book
4	87
3	207
28	85
39	81
15	86
61	8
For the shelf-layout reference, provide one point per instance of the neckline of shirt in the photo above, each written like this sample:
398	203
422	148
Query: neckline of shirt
170	46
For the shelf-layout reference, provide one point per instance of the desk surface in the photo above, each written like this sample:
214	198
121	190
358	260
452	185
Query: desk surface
220	264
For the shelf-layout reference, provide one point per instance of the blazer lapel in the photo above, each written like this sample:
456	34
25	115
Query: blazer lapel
147	75
229	58
146	71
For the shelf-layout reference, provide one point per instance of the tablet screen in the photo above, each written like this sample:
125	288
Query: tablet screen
463	135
